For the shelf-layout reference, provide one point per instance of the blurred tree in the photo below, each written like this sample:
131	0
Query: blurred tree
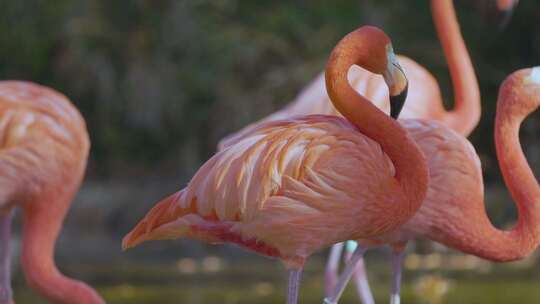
159	82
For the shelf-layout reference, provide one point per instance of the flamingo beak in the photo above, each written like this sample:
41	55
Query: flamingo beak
397	82
534	77
505	9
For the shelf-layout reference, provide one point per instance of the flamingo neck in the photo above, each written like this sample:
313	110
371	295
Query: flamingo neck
512	108
410	164
478	236
42	223
466	113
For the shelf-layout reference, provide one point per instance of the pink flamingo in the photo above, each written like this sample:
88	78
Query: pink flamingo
293	187
453	213
43	151
424	102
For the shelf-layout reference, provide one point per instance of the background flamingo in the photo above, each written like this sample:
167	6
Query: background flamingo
43	151
424	99
293	187
505	8
453	213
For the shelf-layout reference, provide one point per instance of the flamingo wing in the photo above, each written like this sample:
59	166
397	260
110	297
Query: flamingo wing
292	185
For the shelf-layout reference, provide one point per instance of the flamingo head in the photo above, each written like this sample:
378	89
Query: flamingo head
370	48
395	78
521	91
534	76
506	5
505	8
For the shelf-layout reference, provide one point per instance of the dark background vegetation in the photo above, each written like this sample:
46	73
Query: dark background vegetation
159	82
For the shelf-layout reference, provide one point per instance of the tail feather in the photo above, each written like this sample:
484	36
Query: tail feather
159	222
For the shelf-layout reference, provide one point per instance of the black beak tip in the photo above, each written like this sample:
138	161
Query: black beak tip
397	102
502	18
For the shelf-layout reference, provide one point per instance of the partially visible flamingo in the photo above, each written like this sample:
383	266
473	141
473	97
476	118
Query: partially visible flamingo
424	97
43	151
505	8
453	213
293	187
506	5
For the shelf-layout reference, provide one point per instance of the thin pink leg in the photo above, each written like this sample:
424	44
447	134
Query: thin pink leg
397	261
360	278
6	295
332	268
362	284
345	276
294	285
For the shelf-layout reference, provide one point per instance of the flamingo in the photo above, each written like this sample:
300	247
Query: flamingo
295	186
424	101
453	213
43	151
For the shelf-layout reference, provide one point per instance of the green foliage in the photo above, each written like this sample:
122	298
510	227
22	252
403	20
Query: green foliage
159	82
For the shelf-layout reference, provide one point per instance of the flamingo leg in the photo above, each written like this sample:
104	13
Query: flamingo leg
5	258
332	268
294	285
360	277
398	255
345	276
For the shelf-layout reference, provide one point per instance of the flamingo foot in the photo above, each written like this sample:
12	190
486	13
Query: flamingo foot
294	285
345	277
6	294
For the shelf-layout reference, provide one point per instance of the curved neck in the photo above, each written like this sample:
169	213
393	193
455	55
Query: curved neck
473	232
466	113
512	109
410	163
42	223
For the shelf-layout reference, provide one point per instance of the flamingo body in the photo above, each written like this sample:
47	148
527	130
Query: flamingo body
454	201
314	173
43	152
